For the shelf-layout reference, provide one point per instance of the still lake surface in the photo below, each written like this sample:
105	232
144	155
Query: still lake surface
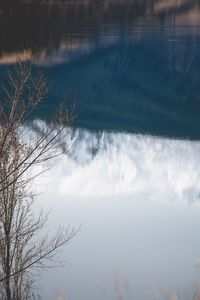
131	176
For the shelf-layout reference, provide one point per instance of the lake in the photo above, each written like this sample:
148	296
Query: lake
131	174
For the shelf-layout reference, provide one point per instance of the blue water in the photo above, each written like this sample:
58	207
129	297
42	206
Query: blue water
148	86
129	66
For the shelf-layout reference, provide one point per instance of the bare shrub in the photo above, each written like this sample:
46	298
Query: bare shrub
23	248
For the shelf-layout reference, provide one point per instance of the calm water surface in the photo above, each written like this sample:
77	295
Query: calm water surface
132	174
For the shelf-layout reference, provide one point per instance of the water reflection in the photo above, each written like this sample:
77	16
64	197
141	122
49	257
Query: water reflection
129	164
150	86
42	29
147	87
131	195
133	67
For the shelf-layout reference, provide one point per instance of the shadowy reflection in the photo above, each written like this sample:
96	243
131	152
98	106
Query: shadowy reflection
131	65
149	87
43	26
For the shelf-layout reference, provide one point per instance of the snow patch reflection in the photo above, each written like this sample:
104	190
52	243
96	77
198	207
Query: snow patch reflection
129	164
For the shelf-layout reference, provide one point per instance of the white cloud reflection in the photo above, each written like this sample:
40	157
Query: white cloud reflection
115	185
129	164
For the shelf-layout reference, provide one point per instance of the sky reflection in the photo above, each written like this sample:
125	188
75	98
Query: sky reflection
131	175
137	200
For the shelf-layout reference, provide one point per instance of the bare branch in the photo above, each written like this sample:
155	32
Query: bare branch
21	153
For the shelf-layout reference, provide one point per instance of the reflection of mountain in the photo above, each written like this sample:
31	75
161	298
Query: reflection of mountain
133	163
148	87
40	28
132	65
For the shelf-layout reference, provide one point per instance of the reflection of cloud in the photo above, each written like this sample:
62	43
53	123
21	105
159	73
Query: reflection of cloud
84	29
15	57
128	164
191	18
67	52
64	54
162	6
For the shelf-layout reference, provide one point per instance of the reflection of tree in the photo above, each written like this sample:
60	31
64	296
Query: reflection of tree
38	27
